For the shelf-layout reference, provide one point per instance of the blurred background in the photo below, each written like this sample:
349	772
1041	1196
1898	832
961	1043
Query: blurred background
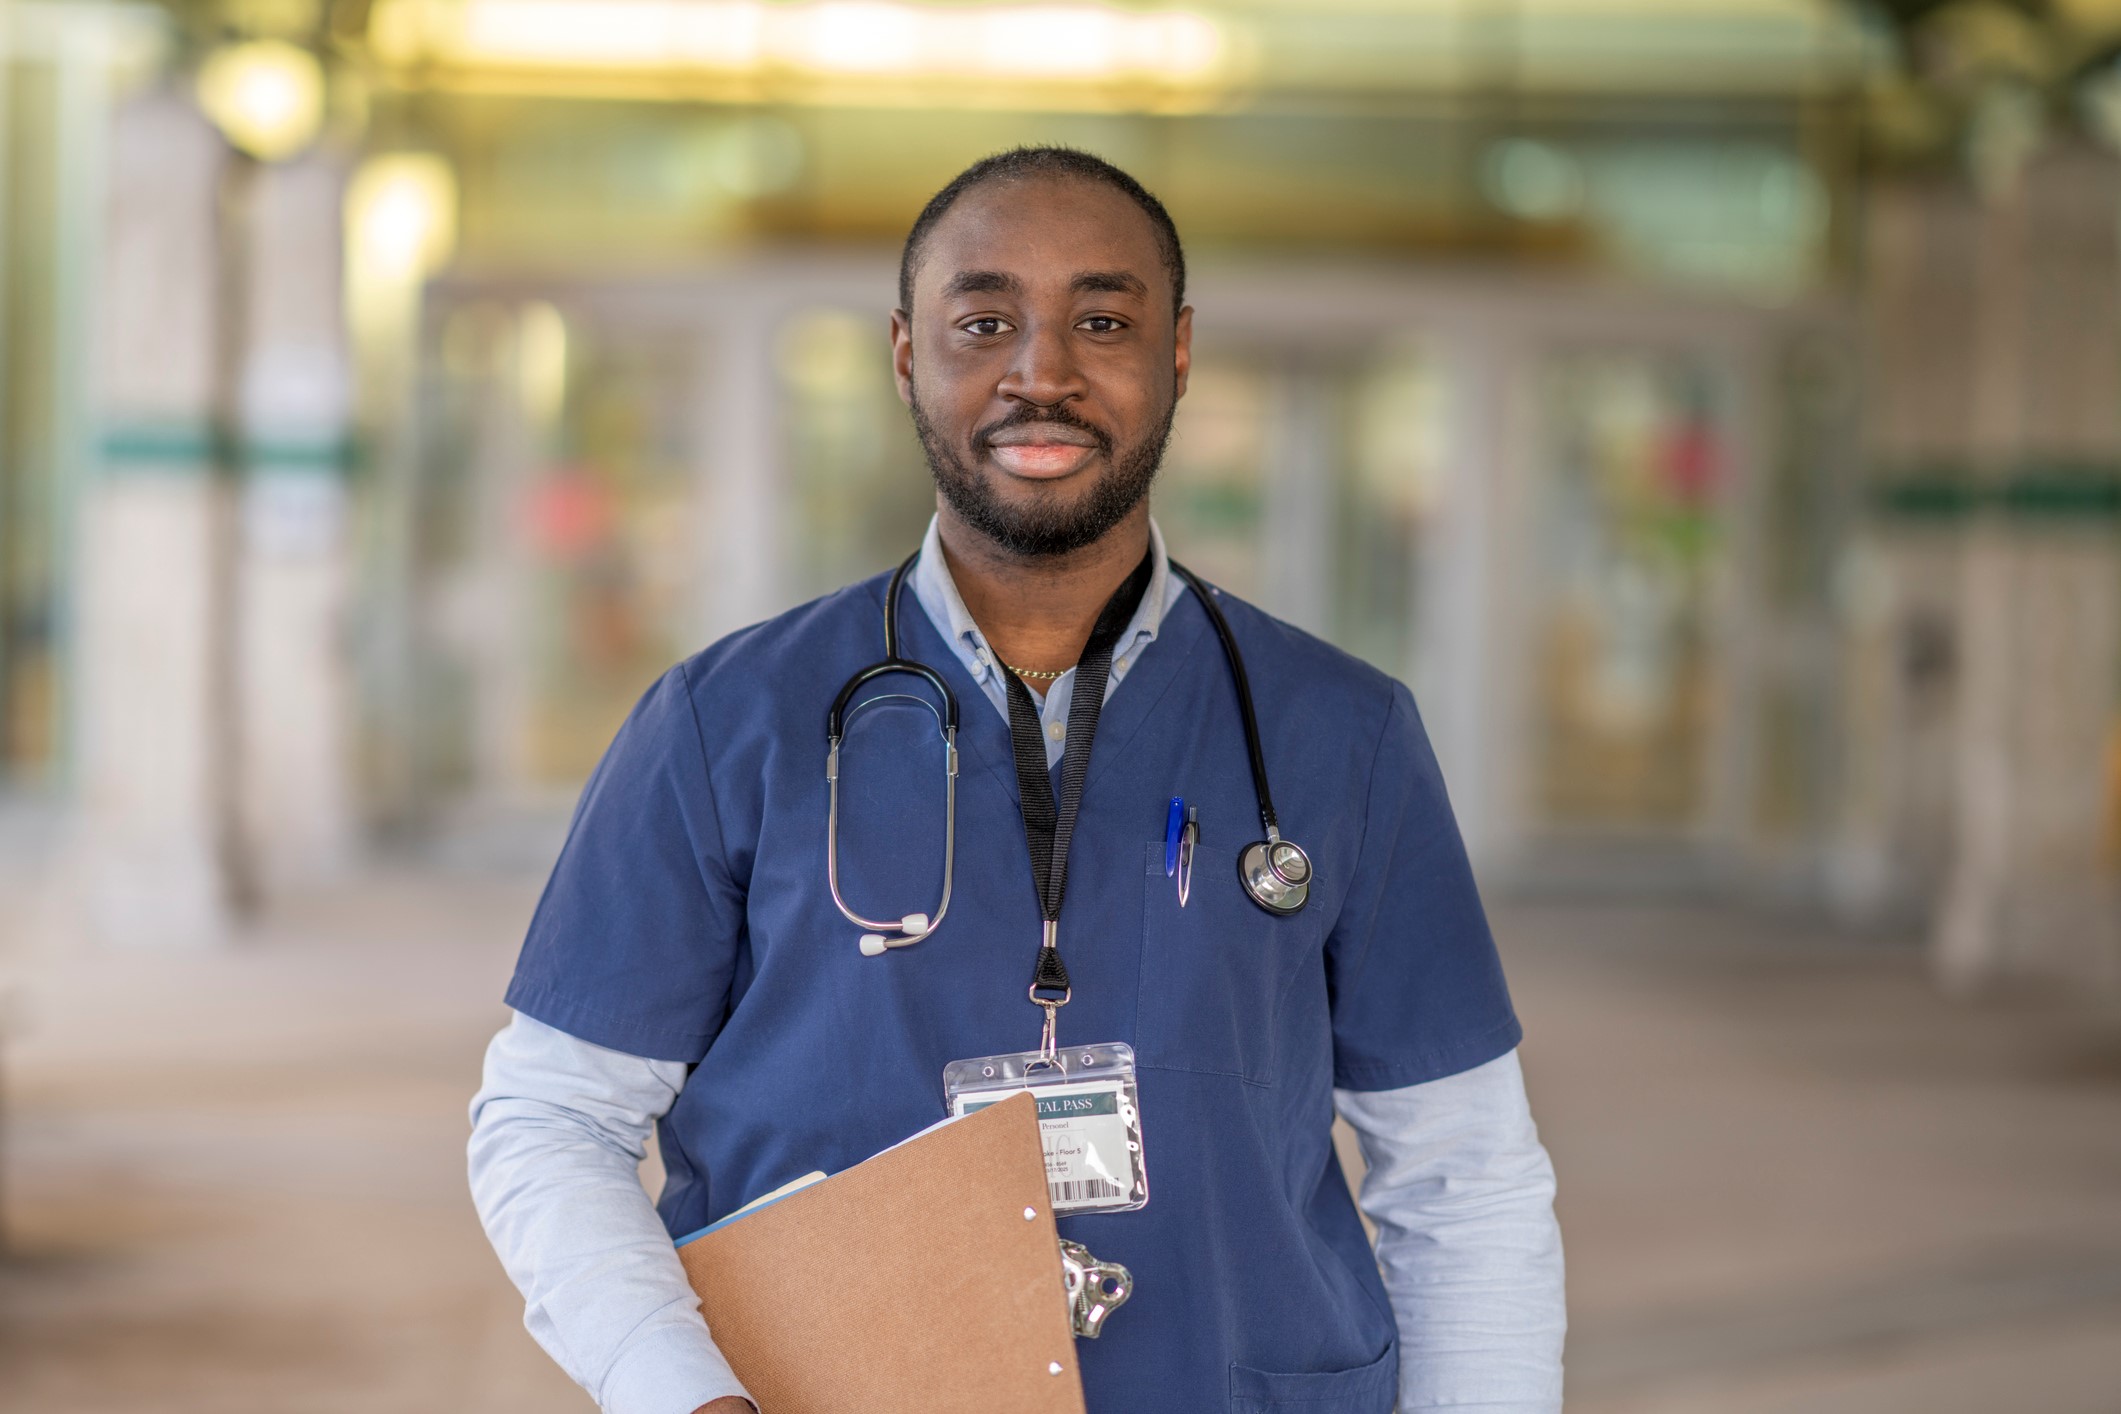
1711	407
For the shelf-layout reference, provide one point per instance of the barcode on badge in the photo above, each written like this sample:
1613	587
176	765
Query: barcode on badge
1085	1190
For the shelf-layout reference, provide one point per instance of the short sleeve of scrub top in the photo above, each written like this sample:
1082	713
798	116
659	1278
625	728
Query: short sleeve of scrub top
1416	987
640	906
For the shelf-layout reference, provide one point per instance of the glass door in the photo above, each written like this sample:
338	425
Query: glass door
554	552
1625	558
1309	484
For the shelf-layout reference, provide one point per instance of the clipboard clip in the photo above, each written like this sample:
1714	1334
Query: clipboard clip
1095	1289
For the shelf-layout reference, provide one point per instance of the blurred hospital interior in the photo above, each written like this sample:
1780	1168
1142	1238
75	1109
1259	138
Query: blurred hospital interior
1712	408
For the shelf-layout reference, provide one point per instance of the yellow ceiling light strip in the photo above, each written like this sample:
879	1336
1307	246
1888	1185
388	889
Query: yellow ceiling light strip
846	39
1088	56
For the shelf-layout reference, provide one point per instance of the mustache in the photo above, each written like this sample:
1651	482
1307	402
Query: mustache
1027	415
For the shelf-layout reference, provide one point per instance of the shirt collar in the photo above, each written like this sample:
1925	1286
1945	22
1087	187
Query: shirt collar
937	593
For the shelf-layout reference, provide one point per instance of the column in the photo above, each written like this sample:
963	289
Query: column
741	451
2031	891
1301	496
1460	562
298	809
153	840
1897	584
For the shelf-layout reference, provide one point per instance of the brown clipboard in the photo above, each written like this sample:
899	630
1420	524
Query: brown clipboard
914	1283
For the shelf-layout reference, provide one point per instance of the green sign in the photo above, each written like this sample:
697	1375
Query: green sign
2046	492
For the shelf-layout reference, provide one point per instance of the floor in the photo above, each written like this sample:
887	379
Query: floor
1793	1177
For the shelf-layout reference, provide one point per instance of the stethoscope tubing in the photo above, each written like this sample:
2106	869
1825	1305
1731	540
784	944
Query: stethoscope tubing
1262	891
832	841
835	729
1255	754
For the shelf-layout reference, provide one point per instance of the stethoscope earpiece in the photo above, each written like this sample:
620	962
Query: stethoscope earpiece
1276	875
908	931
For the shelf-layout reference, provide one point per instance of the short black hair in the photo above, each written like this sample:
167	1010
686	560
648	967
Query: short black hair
1019	162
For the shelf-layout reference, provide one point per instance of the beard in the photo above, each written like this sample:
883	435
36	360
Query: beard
1045	527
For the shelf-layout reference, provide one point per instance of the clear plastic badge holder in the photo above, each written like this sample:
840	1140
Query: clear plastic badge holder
1089	1119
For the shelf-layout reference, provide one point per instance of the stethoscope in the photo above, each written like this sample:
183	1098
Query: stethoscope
1275	873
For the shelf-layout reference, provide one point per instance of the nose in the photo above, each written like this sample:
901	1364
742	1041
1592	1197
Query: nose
1044	371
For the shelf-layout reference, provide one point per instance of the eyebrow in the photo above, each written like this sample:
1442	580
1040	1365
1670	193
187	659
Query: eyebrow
982	282
1001	282
1109	282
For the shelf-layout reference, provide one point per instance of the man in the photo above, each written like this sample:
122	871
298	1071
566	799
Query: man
688	966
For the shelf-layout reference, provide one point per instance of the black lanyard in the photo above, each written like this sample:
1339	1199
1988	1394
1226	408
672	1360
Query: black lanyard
1049	828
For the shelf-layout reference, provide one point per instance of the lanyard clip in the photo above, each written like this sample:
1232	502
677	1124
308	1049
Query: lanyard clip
1048	1044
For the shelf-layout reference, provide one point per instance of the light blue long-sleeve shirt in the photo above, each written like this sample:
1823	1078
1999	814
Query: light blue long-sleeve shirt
1458	1184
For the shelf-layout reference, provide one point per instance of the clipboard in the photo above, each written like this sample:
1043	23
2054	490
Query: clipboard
913	1283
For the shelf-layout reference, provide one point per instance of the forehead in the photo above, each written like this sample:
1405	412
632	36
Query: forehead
1043	230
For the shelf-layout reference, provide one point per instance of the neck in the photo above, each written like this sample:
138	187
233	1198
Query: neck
1038	613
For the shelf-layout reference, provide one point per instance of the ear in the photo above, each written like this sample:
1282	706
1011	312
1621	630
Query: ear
902	354
1182	351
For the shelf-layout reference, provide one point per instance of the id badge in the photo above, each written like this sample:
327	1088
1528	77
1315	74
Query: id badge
1089	1119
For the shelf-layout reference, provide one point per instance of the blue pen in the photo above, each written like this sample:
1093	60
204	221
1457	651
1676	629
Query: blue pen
1174	824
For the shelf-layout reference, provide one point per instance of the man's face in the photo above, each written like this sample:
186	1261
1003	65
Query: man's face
1042	360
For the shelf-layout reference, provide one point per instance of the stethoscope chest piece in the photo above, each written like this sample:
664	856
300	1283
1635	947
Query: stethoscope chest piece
1276	875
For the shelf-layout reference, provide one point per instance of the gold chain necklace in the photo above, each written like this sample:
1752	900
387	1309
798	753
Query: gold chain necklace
1036	674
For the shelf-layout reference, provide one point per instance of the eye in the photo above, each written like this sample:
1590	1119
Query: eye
1103	324
985	325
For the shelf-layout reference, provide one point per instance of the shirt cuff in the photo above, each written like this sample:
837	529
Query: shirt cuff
669	1370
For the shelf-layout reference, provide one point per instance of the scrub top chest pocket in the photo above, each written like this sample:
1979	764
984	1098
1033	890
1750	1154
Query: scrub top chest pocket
1215	973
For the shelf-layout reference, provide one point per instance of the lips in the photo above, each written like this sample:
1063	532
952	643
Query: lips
1043	459
1042	451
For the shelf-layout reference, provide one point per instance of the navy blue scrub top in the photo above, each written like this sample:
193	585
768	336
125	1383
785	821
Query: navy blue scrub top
688	920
